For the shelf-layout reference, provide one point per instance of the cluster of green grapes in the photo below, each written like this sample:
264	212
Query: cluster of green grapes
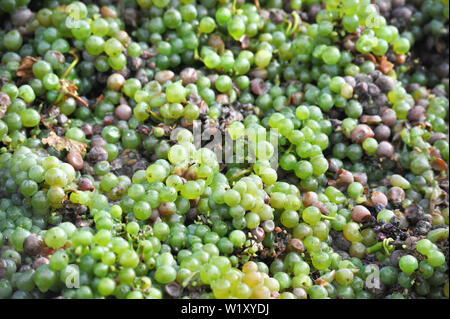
43	181
18	114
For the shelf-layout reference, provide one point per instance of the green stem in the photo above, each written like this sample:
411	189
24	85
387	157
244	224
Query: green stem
243	172
374	248
288	30
233	8
381	245
296	21
386	242
188	279
289	149
60	96
72	65
328	217
196	55
156	116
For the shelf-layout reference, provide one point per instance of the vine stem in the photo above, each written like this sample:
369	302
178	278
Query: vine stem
374	248
386	242
288	30
243	172
296	21
72	65
258	6
188	279
156	116
79	99
233	8
289	149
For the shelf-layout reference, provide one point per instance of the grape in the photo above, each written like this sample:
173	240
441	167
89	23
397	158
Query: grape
55	237
408	264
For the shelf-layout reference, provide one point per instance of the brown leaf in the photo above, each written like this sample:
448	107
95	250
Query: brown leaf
70	89
99	98
434	152
64	143
439	164
47	252
25	70
384	65
321	282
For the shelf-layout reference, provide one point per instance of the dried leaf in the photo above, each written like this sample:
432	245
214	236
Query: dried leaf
321	282
384	65
47	252
25	70
434	152
71	89
3	109
48	116
439	164
64	143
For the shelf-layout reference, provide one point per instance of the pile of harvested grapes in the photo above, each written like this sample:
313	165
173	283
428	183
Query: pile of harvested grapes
283	149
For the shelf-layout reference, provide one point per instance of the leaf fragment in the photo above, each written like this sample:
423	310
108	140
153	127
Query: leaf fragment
64	143
25	70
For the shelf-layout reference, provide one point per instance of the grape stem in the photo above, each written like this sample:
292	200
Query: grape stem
155	116
328	217
258	6
233	8
72	65
386	242
296	22
289	149
240	173
380	245
196	55
374	248
287	32
188	279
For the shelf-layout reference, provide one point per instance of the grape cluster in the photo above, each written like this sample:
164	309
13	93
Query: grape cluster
329	180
